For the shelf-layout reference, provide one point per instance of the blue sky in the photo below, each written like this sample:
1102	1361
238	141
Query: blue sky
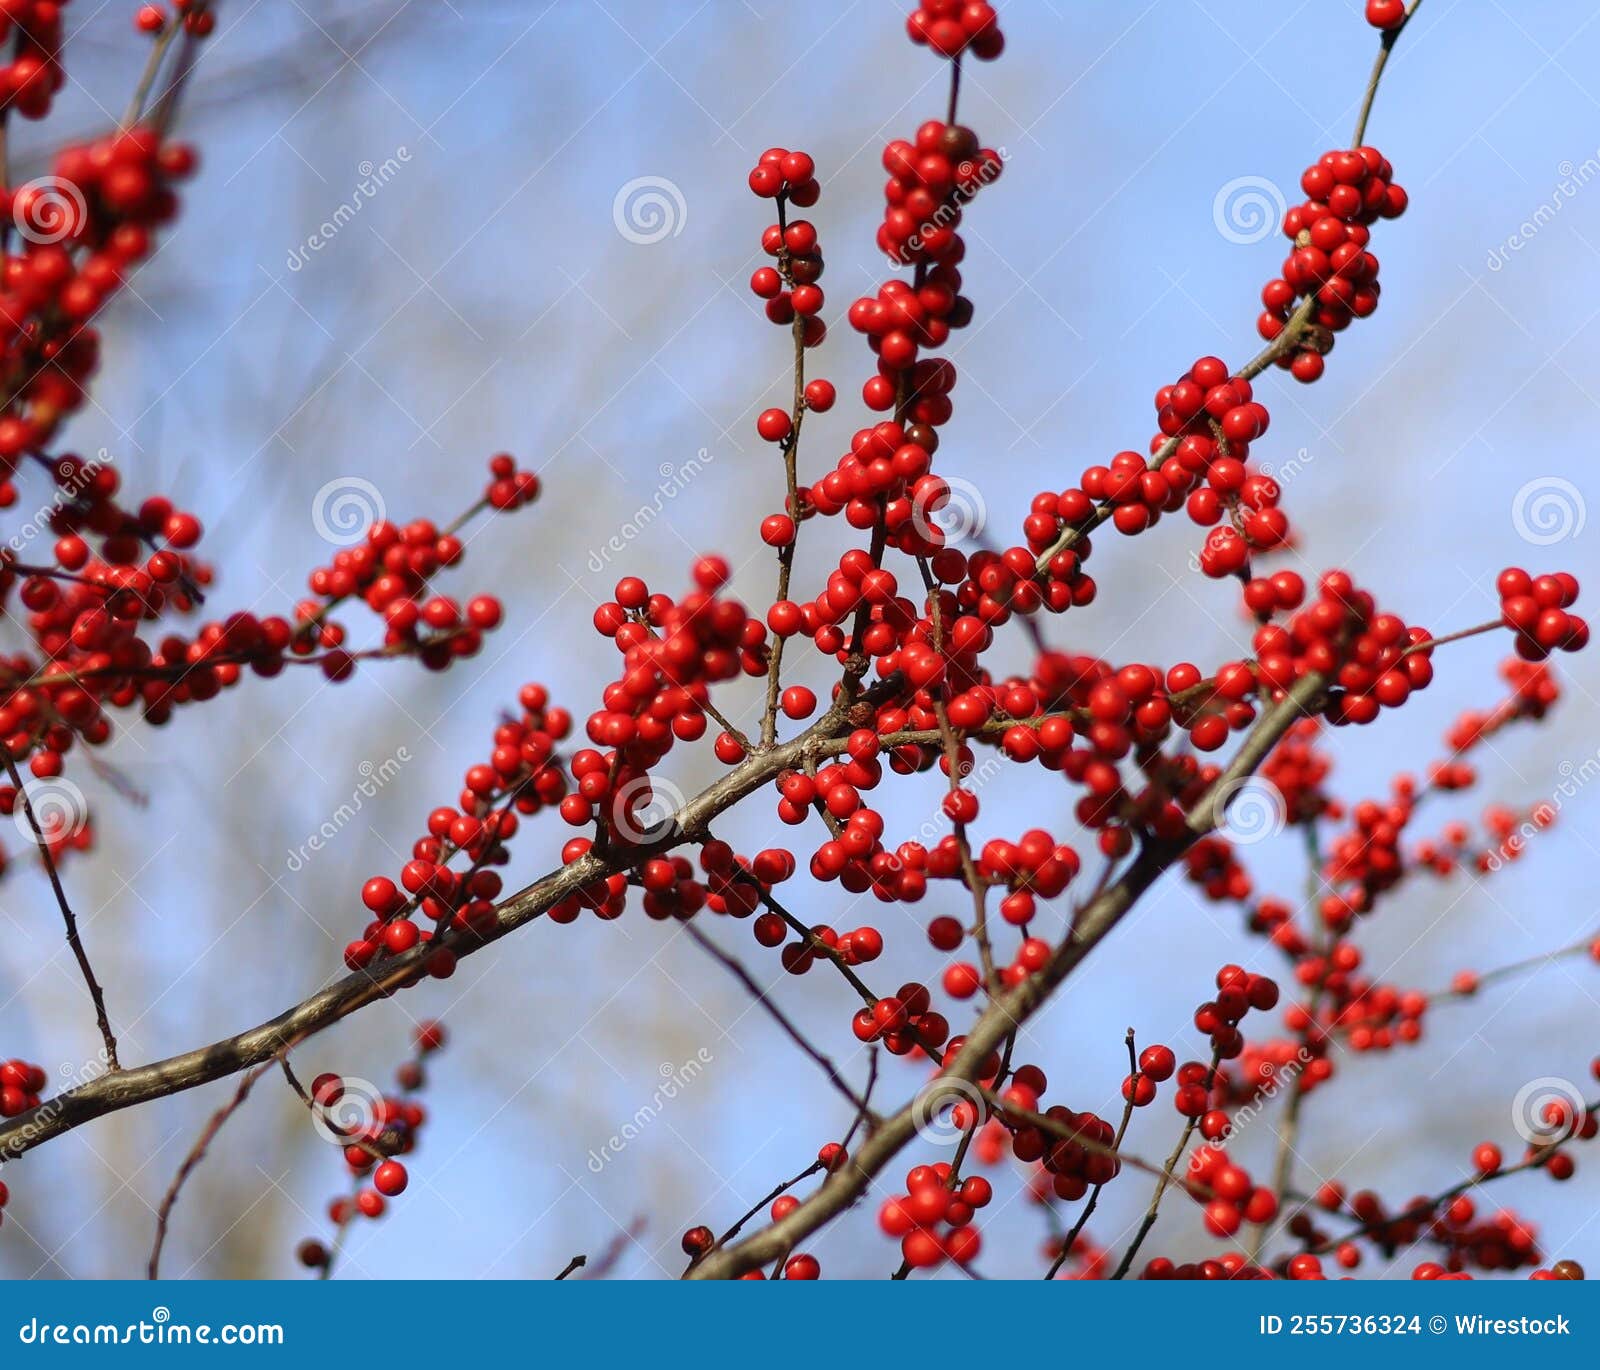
481	297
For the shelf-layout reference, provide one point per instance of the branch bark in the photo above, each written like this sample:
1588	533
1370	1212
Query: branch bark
126	1088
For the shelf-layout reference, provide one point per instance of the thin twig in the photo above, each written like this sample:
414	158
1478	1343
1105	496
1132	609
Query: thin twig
197	1154
152	68
744	977
1426	1208
1169	1172
1094	1196
1385	46
791	457
73	939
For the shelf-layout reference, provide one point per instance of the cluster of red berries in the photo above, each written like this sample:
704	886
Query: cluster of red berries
853	853
379	1130
21	1084
103	201
80	232
194	15
884	476
1534	690
1154	1066
1348	192
115	571
673	651
789	175
29	81
1033	867
933	1218
1367	1014
390	572
522	776
903	1021
1230	1196
1297	769
1212	418
1213	865
733	886
1505	838
857	948
1377	1017
1209	417
1206	421
1500	1242
790	287
85	610
1363	861
1372	658
1077	1152
1267	1065
1535	607
1238	991
510	487
953	27
931	179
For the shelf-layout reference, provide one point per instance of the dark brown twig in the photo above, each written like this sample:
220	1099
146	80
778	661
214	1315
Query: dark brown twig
67	916
197	1154
736	969
1168	1176
1094	1195
1386	46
